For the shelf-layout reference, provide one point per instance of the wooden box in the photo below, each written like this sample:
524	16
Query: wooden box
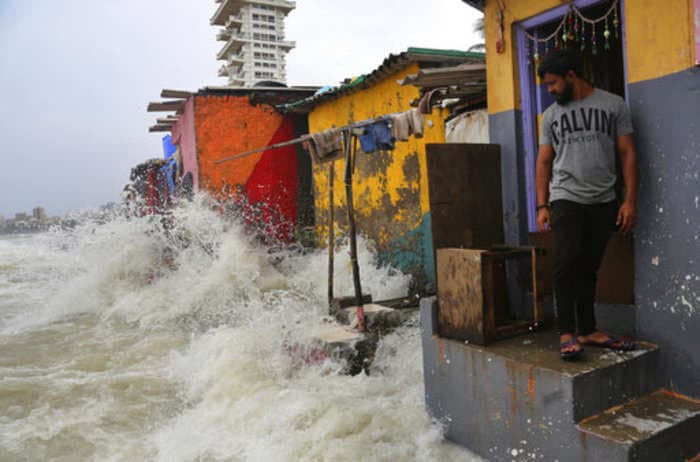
478	290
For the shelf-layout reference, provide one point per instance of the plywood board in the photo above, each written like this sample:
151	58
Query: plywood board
460	294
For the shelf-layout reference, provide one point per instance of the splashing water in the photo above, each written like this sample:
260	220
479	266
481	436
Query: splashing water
119	343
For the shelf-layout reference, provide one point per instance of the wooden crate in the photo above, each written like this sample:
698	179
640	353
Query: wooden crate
473	295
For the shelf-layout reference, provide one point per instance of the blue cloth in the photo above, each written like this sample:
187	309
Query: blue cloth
168	147
377	137
170	170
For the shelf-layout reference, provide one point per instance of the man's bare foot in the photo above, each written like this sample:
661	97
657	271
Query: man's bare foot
604	340
569	347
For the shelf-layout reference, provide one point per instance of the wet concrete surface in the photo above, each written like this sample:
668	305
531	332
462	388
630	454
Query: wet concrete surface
642	418
541	349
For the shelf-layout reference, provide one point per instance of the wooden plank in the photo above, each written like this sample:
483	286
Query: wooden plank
160	128
536	305
460	295
169	122
464	183
165	106
165	93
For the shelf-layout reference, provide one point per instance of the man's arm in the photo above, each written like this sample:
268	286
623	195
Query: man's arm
627	216
543	174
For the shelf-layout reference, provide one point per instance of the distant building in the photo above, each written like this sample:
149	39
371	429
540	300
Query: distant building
255	48
21	216
39	213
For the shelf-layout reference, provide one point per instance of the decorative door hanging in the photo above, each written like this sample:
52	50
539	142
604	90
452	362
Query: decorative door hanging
578	30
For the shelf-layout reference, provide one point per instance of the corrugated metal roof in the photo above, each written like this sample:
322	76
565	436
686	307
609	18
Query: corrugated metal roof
462	75
478	4
392	64
258	95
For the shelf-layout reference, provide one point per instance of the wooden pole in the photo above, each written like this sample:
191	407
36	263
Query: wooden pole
331	231
301	139
350	147
535	290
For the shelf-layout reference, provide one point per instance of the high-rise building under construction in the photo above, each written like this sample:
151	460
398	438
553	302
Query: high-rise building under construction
255	48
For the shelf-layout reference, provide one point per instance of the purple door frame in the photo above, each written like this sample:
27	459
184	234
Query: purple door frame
529	92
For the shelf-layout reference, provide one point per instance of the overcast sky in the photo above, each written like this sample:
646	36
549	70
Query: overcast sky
76	77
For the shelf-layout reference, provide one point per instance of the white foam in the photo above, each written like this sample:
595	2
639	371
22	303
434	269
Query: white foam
107	353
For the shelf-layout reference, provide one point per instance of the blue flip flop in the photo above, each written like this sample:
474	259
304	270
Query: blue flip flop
570	355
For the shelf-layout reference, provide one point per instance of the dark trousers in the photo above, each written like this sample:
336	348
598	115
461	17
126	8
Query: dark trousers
581	234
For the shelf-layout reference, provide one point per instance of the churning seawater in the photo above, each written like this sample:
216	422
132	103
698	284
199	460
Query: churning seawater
112	350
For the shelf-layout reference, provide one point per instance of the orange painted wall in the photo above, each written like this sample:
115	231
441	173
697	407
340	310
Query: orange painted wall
227	125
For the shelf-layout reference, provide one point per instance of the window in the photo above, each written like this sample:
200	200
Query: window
263	55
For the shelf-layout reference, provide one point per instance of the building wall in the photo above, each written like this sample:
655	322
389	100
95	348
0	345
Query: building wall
390	188
253	20
227	125
183	135
657	44
665	105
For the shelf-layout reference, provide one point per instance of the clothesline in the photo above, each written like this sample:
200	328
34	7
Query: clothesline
303	138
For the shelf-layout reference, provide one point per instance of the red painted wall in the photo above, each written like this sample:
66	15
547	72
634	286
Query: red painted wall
228	125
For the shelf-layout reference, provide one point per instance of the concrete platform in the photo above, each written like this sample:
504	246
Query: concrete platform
517	400
600	379
332	334
377	317
346	344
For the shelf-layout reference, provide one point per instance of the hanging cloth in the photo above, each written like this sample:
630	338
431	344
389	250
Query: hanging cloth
425	106
400	126
377	137
327	145
416	122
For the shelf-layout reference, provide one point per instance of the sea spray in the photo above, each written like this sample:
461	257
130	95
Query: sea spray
120	340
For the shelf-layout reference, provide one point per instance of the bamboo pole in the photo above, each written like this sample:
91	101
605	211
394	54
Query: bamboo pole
298	140
331	231
350	148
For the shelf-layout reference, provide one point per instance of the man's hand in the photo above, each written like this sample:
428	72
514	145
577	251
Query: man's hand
543	223
626	217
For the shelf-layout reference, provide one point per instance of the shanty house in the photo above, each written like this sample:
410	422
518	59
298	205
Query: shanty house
516	399
391	197
219	122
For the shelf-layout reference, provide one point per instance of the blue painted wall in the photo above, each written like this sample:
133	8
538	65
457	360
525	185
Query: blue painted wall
666	116
413	253
505	129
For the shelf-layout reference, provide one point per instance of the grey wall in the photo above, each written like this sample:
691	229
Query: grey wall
666	116
505	129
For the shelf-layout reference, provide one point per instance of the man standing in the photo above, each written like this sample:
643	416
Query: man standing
580	135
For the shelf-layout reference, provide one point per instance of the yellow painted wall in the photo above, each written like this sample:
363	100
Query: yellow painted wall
659	38
659	42
393	183
502	81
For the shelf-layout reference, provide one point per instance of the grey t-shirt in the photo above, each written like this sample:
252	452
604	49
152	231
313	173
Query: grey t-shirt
583	134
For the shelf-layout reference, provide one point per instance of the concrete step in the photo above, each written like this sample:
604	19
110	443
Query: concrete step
378	318
517	396
331	339
602	378
659	426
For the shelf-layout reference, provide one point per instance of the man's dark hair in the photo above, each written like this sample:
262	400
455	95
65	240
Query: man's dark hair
559	62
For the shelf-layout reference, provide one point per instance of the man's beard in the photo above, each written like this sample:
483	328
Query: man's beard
565	96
